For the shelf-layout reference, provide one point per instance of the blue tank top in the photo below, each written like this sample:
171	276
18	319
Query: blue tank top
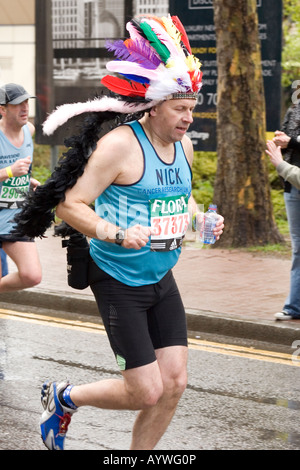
160	200
13	190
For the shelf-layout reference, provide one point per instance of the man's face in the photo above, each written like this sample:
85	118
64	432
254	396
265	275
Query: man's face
16	114
173	118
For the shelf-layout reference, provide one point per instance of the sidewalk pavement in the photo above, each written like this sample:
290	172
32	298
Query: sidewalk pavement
225	292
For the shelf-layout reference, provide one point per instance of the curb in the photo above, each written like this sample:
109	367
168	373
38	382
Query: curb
46	299
274	332
279	333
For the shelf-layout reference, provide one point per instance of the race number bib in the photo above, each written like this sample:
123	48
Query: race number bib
169	222
13	191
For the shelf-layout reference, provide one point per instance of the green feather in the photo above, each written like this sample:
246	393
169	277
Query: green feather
160	48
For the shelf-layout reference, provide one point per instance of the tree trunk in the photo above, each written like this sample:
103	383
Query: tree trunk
242	190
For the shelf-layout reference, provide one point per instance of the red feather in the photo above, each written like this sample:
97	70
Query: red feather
123	87
181	29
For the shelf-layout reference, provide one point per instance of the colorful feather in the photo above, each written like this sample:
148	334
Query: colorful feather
172	79
118	48
192	63
134	34
172	31
135	30
181	29
158	56
135	51
125	67
160	48
137	78
142	53
153	65
123	87
165	38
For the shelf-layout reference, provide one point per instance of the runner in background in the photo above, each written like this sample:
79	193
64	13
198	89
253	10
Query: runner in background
16	152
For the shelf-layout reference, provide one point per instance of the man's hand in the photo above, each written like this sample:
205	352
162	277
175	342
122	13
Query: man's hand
34	183
218	230
21	167
198	224
136	237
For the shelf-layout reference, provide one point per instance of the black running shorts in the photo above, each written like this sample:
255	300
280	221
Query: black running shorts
139	320
12	239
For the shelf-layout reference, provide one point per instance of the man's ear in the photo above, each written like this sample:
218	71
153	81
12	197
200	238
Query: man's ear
153	111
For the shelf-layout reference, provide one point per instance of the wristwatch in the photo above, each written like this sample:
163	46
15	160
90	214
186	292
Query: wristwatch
120	235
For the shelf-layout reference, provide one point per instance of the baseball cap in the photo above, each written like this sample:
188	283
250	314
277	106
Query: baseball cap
13	94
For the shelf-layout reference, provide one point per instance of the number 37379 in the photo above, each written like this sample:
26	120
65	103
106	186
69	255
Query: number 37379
173	225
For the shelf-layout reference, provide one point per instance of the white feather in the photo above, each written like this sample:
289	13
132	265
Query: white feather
130	68
65	112
172	79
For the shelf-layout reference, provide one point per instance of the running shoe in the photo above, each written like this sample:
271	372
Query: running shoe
56	417
283	316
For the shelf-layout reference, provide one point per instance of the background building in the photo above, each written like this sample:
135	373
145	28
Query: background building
156	7
17	44
72	20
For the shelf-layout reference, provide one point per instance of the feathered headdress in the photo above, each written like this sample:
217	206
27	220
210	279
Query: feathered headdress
156	63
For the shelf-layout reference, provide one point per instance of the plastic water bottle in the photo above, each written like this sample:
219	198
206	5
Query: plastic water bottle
210	220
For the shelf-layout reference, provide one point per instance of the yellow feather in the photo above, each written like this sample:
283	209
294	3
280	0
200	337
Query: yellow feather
172	31
192	62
